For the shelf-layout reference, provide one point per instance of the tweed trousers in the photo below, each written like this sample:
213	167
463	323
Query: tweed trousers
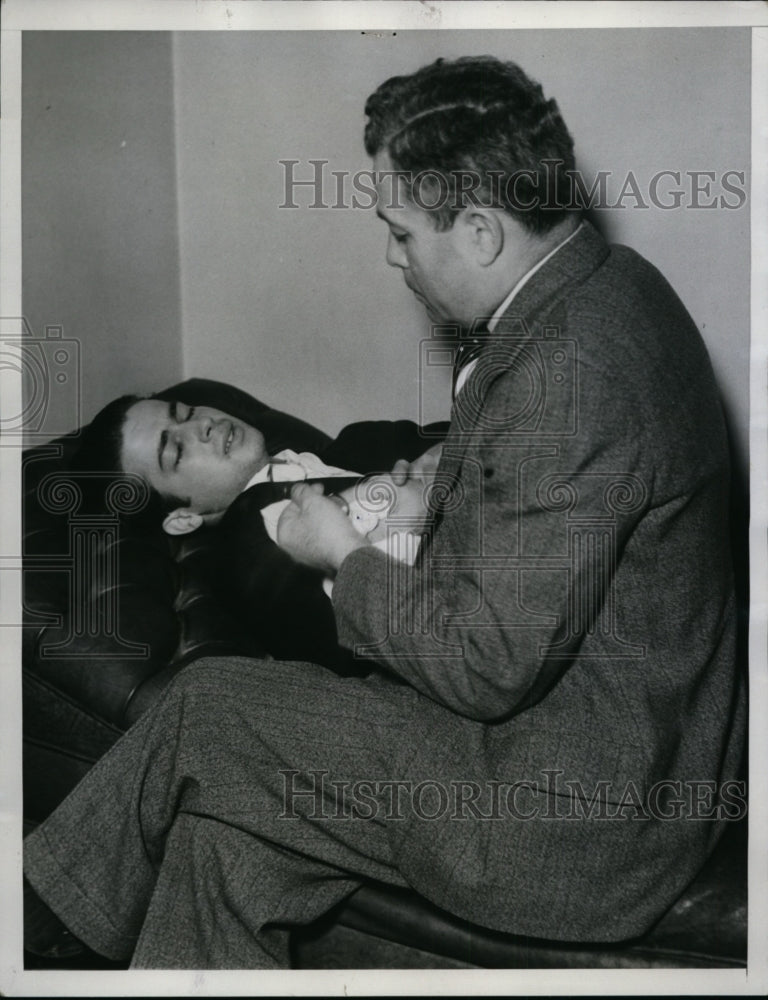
194	844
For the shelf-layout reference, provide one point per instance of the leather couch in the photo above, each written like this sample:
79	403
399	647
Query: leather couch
113	609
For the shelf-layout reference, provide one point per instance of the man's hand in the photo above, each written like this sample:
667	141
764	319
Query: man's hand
420	468
412	482
314	529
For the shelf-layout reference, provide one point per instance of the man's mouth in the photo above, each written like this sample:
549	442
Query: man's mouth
229	439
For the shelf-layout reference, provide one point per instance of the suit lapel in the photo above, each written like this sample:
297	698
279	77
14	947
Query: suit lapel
567	269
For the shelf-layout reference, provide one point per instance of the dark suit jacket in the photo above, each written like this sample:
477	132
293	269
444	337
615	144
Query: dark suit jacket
573	618
283	603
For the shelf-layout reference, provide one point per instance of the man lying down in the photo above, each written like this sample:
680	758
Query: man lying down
205	467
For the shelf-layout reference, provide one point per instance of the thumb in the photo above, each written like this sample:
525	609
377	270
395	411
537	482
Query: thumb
400	471
302	491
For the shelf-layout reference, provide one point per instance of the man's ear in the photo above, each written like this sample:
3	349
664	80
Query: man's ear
181	521
485	232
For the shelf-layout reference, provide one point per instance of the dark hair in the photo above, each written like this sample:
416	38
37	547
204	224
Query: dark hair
100	452
101	442
474	130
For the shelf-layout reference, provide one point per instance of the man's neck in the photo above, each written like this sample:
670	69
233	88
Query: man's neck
527	262
534	247
560	233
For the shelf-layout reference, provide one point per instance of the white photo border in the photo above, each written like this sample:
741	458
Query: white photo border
218	15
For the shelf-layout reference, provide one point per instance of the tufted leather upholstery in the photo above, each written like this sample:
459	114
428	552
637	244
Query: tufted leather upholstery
105	634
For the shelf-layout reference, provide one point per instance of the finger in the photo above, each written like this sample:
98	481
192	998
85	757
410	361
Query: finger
298	492
400	471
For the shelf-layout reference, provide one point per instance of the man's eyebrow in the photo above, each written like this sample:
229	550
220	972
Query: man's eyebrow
392	223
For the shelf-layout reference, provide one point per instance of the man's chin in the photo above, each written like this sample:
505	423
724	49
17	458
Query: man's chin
432	312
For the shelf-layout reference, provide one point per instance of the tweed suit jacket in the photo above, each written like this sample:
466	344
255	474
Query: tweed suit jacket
568	631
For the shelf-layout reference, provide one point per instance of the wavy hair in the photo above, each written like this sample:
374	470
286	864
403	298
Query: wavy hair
474	130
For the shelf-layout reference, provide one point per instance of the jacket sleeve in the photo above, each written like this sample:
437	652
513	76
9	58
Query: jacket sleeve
516	573
375	445
279	602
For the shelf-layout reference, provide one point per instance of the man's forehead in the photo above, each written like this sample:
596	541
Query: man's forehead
141	433
389	184
143	421
147	415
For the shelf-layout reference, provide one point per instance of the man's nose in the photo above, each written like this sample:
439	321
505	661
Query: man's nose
200	428
396	256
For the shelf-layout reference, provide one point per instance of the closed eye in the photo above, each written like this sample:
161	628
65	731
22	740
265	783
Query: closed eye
181	415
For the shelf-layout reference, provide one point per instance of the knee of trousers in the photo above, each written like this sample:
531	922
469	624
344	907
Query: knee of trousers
282	678
210	673
214	682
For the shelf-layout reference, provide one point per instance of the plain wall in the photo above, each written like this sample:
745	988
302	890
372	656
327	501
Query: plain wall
153	232
299	306
100	233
